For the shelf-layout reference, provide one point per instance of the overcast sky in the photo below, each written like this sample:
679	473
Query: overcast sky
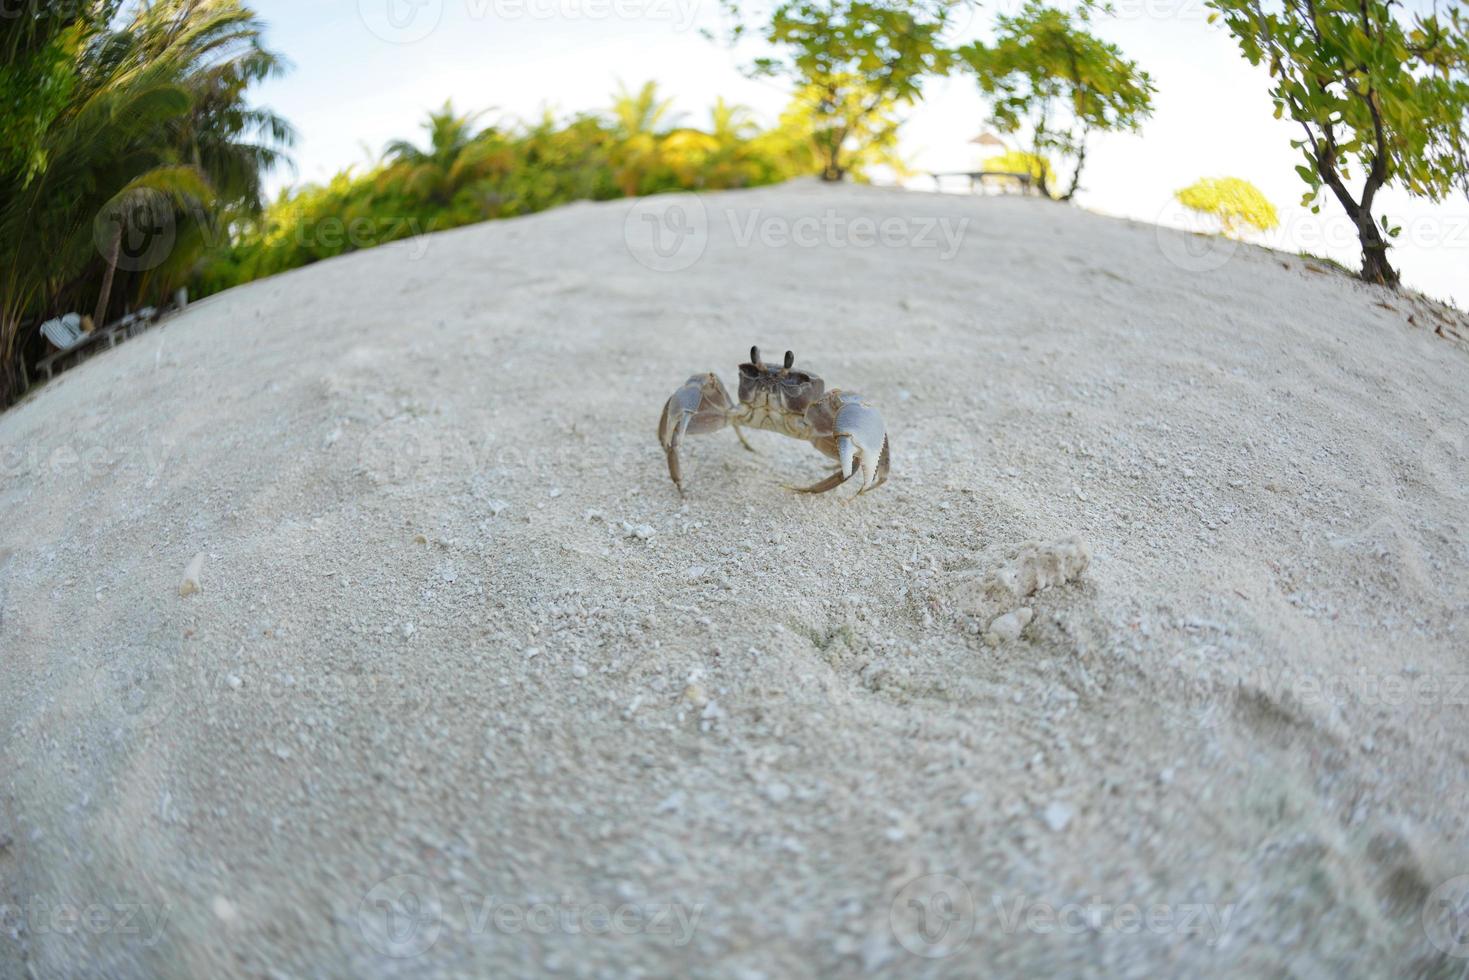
366	71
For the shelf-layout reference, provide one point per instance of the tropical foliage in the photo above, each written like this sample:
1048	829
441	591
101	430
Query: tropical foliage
1381	98
469	169
134	147
132	161
1234	202
1046	73
854	64
1023	162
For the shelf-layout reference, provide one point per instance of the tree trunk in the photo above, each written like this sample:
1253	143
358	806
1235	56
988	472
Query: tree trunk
832	171
1076	174
1375	267
10	357
99	320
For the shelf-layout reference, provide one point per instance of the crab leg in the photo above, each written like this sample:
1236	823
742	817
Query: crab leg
851	431
701	405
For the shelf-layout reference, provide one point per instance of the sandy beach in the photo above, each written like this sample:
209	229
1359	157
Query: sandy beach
352	627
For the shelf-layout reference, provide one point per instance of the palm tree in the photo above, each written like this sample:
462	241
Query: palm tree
457	155
732	123
641	112
154	131
640	121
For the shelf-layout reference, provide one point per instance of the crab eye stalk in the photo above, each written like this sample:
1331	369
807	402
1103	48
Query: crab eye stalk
790	359
755	356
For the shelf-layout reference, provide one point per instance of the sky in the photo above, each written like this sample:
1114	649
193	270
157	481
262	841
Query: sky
367	71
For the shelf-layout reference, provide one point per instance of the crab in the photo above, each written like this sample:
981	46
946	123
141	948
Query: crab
841	424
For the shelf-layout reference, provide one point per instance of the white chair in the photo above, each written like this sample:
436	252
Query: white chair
64	331
66	334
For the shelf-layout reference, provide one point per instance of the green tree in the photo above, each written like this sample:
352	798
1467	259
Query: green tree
1382	100
1234	202
153	133
37	57
853	65
1045	71
458	154
464	174
1023	162
641	122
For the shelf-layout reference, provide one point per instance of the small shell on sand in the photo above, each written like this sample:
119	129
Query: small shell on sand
1057	816
1034	567
192	576
1007	628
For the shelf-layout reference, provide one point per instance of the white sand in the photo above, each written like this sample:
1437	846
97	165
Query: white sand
432	663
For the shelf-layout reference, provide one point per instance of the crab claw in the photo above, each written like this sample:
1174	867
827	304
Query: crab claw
701	405
853	432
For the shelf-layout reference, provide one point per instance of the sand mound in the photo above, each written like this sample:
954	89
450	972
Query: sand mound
351	625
